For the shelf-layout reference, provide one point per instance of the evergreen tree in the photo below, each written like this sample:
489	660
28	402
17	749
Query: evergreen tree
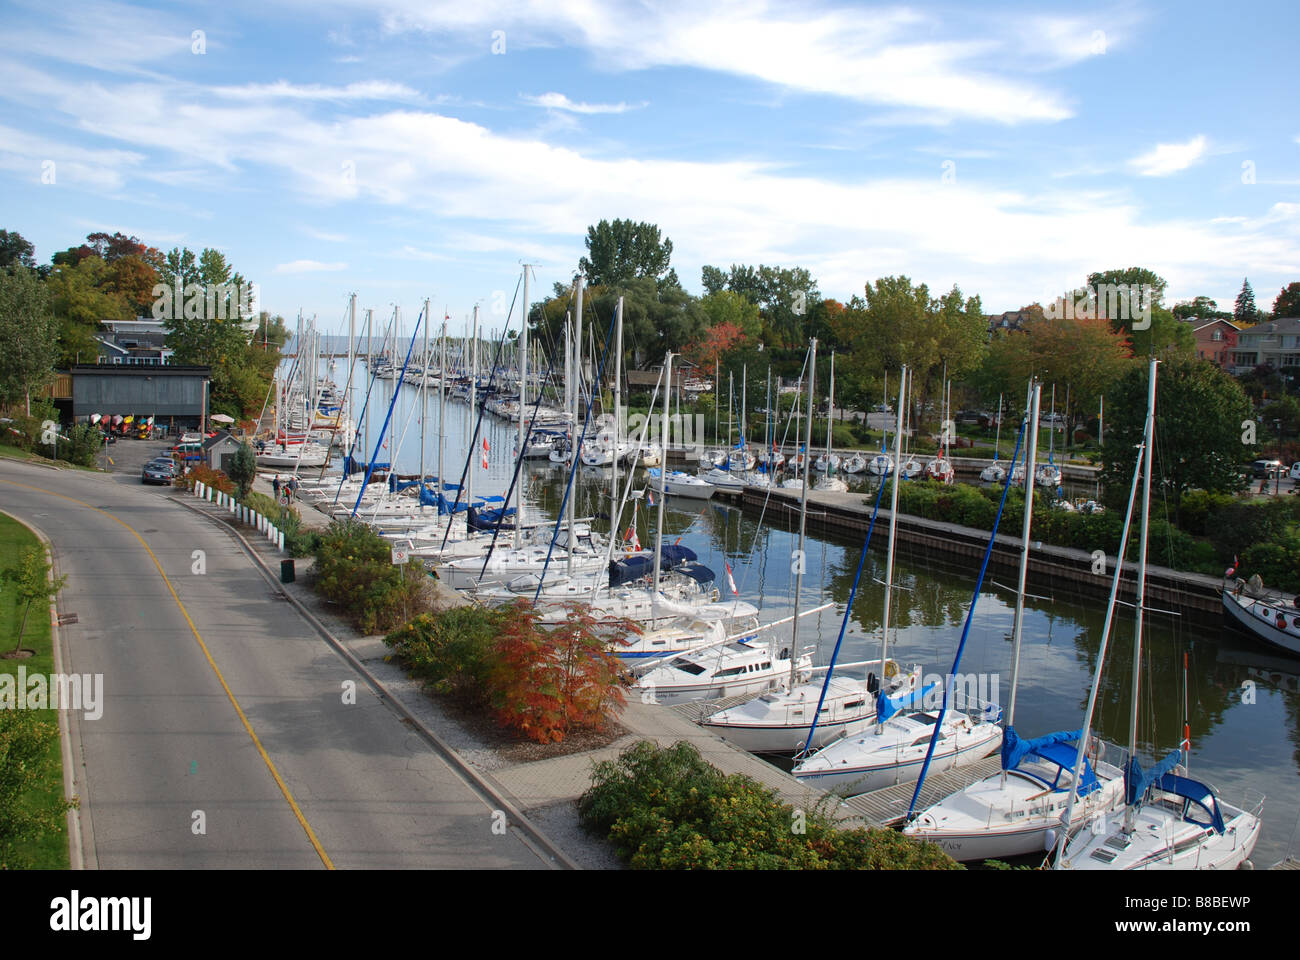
1245	313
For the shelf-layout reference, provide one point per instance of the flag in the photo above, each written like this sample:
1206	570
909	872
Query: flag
731	581
633	539
650	497
1232	569
486	448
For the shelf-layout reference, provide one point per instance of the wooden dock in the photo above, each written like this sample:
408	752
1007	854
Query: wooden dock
1290	863
888	807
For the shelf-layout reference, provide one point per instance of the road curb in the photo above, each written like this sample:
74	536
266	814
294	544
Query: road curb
483	784
77	837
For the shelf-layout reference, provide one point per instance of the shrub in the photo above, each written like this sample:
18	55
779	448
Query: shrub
355	570
205	475
453	652
25	743
666	808
546	681
243	468
1278	564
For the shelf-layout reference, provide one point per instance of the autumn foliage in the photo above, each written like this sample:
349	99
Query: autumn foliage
539	681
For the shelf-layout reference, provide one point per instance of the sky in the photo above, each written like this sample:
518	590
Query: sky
404	149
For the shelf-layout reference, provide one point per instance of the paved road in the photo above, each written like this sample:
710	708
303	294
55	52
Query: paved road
177	652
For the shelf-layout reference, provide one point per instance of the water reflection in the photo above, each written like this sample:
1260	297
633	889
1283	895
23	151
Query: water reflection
1243	700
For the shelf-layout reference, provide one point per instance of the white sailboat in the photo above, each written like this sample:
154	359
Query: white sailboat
829	463
1170	821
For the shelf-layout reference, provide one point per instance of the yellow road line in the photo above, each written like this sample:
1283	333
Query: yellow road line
284	788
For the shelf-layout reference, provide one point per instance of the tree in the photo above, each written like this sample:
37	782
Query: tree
16	251
1287	303
29	334
1244	313
718	340
81	298
1133	278
622	251
243	469
27	814
31	580
1201	308
1199	416
731	308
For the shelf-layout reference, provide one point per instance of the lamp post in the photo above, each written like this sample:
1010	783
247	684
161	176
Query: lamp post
1277	474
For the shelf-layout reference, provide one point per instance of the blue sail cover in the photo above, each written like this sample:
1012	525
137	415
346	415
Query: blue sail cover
1197	792
1137	781
1060	748
887	706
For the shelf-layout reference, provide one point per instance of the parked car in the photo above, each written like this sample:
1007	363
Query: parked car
162	473
1267	468
1295	471
882	408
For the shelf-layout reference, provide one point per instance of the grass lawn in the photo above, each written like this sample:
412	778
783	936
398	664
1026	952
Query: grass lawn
52	852
14	453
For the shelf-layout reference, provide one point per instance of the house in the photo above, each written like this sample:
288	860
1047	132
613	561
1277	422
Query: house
220	449
1216	340
135	342
1010	320
1275	344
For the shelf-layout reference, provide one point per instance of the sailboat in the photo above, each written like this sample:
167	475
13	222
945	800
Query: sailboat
1170	821
1018	810
940	468
903	741
810	715
829	462
1049	474
995	472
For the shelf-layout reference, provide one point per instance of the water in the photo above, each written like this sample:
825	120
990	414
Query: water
1237	745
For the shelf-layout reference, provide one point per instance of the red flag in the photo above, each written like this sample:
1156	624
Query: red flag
486	448
731	581
633	539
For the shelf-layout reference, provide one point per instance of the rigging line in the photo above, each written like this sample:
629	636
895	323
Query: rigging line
844	623
478	423
519	462
979	584
767	498
577	462
370	467
365	408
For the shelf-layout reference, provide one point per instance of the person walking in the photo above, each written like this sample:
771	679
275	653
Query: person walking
275	485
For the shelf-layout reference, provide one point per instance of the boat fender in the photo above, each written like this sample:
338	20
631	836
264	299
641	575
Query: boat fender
1281	622
891	670
872	685
1049	841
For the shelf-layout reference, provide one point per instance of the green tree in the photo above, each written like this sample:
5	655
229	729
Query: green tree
82	295
1199	416
243	469
1202	308
16	251
25	742
31	581
1244	312
28	333
623	251
1287	303
1131	277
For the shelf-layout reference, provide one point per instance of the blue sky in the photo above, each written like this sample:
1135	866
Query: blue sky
383	147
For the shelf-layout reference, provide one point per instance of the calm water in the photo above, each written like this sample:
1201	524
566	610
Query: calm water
1238	746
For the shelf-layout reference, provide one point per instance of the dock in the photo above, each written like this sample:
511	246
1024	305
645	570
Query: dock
887	807
1055	571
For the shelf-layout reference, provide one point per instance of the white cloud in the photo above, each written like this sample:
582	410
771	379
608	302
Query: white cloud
310	266
895	57
1167	158
282	89
323	235
558	101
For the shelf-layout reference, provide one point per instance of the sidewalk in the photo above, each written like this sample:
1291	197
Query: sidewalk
545	790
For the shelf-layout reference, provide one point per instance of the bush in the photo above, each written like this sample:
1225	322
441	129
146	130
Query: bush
1278	564
452	652
541	683
669	809
25	744
355	570
205	475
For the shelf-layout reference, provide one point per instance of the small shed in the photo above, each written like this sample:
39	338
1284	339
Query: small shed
219	450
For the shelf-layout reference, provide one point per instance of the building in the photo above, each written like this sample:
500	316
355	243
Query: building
1216	340
172	394
138	341
1275	344
1010	320
220	449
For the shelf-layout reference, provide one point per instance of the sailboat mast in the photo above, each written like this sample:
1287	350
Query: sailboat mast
893	526
523	408
663	486
473	407
803	519
1148	440
442	401
830	415
1036	393
424	391
618	387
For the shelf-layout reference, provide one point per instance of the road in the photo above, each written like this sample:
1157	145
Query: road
223	710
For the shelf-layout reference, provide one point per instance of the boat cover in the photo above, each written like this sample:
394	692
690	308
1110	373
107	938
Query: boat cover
1137	781
1197	792
887	706
1060	748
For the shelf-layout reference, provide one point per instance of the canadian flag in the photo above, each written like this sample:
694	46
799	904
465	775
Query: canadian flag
486	448
1232	569
731	581
633	539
